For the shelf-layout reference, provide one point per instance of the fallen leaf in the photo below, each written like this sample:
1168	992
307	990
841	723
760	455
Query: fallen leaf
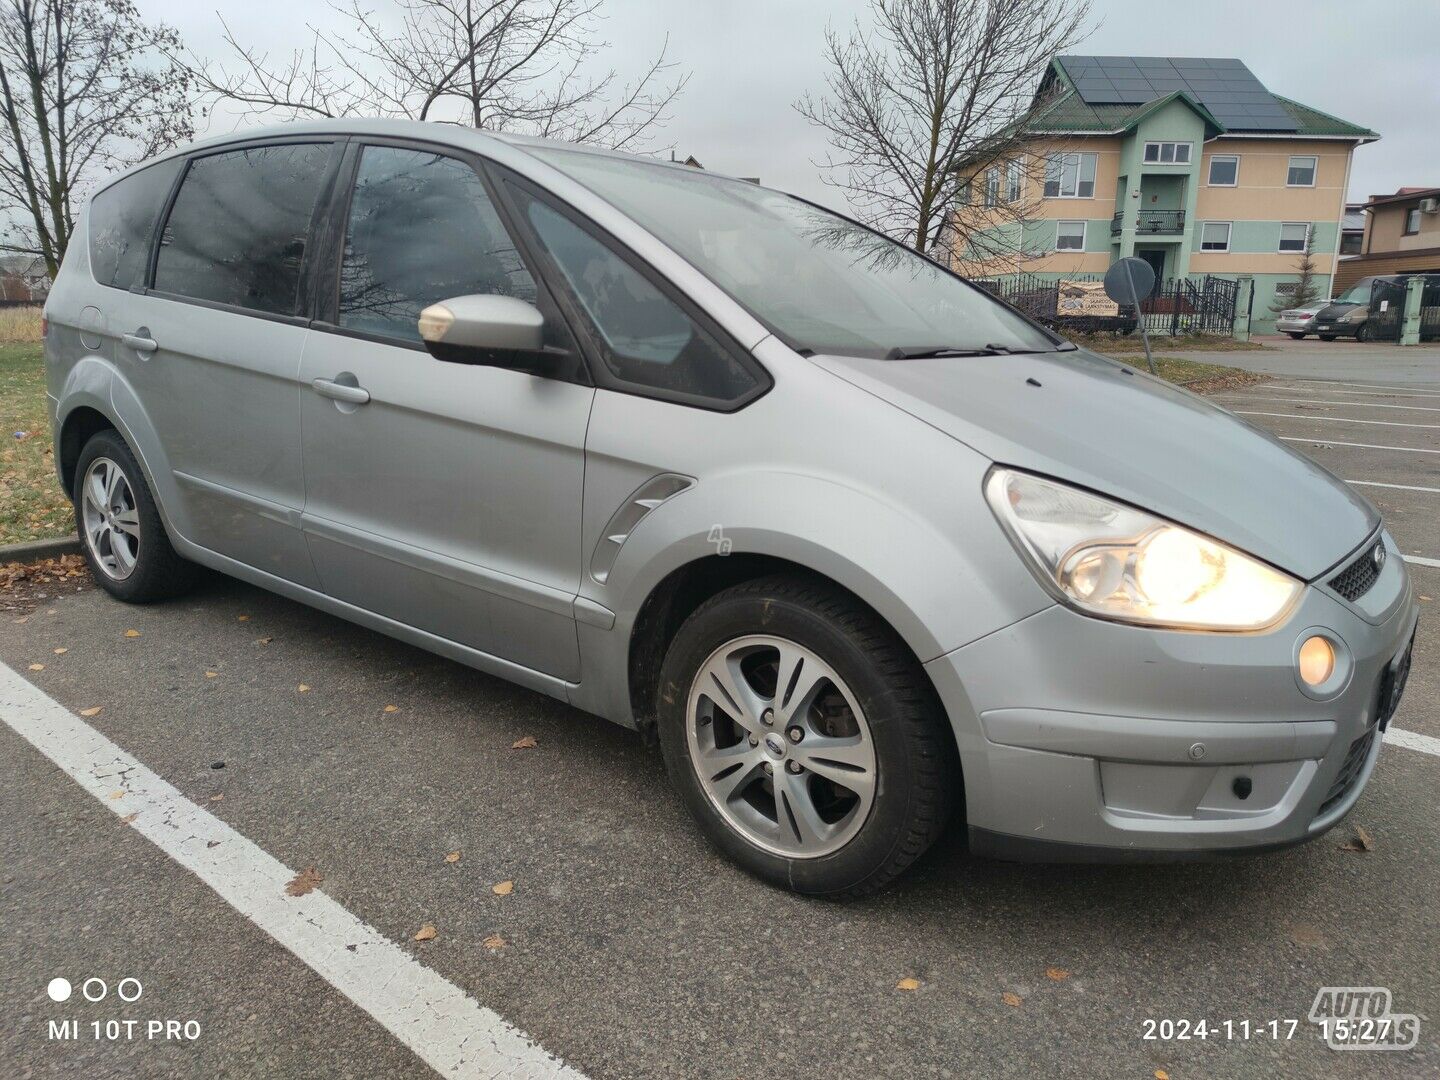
132	633
128	818
908	983
304	882
1359	842
1013	1000
217	798
1056	974
1161	1074
426	933
505	888
453	857
392	708
211	674
37	667
1304	934
242	618
61	651
302	688
494	941
263	640
117	795
525	743
92	712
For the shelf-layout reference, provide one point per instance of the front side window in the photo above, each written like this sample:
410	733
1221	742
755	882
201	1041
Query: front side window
421	229
1167	153
1070	236
820	282
1301	172
238	230
122	221
1215	236
644	338
1070	176
1224	170
1294	236
1412	221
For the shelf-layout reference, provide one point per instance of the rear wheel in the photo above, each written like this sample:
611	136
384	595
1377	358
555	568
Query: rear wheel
805	738
1296	334
121	533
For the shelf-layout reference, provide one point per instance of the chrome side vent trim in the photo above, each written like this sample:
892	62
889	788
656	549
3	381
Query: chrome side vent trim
642	501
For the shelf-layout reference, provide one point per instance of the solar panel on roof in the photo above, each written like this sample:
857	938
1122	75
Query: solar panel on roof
1223	85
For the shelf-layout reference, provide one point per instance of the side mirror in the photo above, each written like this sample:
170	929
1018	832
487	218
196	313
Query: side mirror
497	331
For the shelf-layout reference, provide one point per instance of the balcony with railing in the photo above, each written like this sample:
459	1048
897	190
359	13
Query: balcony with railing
1152	223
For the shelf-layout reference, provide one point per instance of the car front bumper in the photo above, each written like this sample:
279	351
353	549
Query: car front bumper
1087	740
1295	326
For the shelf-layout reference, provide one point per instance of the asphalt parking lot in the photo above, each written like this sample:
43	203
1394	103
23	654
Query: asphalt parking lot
625	946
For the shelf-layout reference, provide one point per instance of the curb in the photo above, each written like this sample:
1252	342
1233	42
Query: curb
34	550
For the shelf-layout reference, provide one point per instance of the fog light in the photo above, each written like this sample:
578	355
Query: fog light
1317	661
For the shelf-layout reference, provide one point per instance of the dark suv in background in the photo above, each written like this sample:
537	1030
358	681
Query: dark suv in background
1348	315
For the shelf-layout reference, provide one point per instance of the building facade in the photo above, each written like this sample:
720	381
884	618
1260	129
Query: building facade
1402	236
1189	185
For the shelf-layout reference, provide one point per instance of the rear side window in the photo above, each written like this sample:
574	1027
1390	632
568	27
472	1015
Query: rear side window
237	232
422	228
644	338
122	221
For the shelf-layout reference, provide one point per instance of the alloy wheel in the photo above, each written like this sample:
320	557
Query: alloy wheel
110	518
781	746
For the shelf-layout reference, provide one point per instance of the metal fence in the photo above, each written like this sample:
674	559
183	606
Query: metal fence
1203	304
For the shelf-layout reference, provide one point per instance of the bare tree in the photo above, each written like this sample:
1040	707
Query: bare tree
935	91
84	89
503	65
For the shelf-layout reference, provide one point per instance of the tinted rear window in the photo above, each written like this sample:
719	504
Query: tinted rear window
238	230
122	220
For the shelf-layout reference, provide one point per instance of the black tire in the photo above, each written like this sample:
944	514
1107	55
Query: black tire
159	572
1362	332
1327	337
1296	334
917	771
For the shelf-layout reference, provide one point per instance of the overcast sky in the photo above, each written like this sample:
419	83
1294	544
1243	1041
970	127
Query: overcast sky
750	59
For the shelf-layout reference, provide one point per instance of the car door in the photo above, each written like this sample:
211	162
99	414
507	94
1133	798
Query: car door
444	496
211	349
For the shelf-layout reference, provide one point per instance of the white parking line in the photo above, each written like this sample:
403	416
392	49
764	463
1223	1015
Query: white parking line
1313	389
1344	404
1368	386
445	1027
1331	419
1317	441
1397	487
1419	560
1413	740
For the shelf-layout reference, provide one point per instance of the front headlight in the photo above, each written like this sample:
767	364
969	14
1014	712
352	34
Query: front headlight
1112	560
1359	314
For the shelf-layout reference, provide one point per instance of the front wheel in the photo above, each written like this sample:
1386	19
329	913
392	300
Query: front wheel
1296	334
805	738
1362	332
121	533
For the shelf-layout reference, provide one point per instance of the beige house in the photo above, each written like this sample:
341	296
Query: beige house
1402	235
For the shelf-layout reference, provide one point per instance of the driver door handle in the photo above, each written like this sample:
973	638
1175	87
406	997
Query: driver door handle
139	343
354	395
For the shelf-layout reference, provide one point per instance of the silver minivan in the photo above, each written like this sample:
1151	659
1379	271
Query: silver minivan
859	544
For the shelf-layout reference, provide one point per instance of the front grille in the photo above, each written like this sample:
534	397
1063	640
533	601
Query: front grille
1355	580
1349	772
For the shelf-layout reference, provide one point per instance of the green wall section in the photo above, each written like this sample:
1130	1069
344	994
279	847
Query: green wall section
1263	238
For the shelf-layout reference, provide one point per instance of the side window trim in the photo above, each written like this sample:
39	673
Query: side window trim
509	181
314	232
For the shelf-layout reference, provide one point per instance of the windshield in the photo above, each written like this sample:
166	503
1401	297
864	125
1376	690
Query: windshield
1359	293
818	281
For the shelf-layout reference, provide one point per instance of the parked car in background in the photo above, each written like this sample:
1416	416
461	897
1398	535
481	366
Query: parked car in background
1349	314
856	541
1299	321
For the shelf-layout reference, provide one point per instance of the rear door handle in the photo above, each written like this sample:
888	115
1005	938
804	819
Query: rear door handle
354	395
140	343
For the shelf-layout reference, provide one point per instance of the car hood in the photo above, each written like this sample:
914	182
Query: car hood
1105	426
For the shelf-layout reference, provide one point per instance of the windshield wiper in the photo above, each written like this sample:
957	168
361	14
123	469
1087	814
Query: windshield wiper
929	352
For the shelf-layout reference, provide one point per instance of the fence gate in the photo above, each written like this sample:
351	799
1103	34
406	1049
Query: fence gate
1387	310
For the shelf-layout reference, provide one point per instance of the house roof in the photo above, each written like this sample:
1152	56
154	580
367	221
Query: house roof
1061	108
1405	194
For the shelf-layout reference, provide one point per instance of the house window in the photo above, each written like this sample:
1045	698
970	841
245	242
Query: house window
1070	176
1014	178
962	195
1350	243
1294	236
992	186
1070	236
1215	236
1302	172
1167	153
1224	170
1412	221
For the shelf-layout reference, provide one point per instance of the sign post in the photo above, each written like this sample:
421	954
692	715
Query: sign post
1127	282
